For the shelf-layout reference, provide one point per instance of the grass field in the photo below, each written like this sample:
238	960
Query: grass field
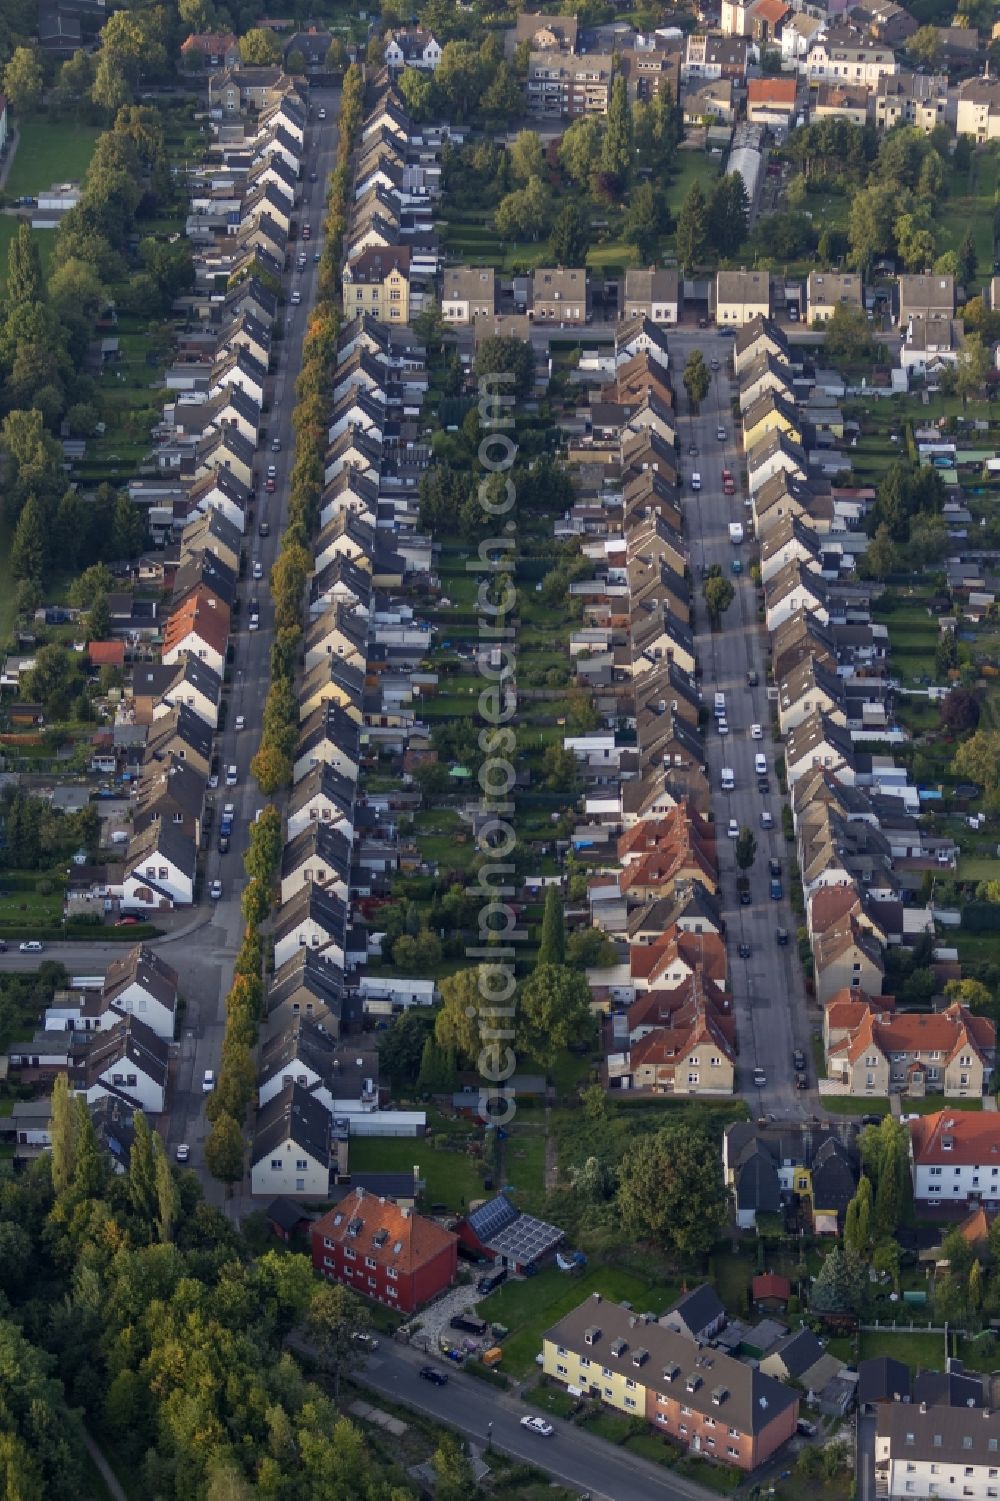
978	868
49	152
694	166
925	1351
972	209
452	1178
531	1306
850	1104
913	638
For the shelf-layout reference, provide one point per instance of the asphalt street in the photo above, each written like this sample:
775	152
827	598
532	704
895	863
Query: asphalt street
203	947
201	1040
572	1456
768	988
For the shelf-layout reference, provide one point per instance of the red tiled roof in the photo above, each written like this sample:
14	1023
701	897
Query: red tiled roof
944	1032
419	1239
202	613
974	1137
830	904
771	90
770	1285
106	653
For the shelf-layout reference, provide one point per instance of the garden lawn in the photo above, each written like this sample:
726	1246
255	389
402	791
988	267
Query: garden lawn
693	166
530	1306
49	152
972	209
452	1178
20	909
978	868
850	1104
918	1351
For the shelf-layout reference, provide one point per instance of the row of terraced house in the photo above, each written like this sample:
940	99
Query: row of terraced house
863	850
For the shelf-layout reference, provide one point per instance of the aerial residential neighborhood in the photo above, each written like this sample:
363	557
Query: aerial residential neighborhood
500	751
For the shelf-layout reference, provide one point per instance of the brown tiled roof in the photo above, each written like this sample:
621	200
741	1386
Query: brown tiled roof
204	614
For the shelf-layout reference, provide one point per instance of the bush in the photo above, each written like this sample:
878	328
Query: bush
44	887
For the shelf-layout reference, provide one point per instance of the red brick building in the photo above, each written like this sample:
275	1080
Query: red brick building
384	1251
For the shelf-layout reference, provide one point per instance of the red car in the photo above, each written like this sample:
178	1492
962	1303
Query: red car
126	922
728	485
270	486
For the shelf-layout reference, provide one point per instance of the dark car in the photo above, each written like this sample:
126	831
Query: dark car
223	844
763	784
3	945
752	679
432	1374
871	1120
798	1059
781	935
264	530
745	951
801	1082
746	899
774	867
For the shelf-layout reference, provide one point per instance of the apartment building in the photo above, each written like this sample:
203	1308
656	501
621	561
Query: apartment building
936	1450
978	112
700	1397
845	55
950	1052
560	87
955	1156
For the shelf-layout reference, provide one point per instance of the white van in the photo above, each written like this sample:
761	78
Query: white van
728	779
760	764
696	481
720	706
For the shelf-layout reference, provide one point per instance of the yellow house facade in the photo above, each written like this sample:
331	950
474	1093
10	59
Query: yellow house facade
618	1390
769	414
377	282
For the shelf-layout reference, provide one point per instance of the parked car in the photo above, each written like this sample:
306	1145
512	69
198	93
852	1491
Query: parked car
766	820
232	776
752	678
781	935
798	1058
734	829
801	1081
208	1082
126	922
241	721
215	891
264	530
759	1078
745	951
183	1152
31	946
433	1375
803	1426
258	569
270	486
275	445
746	897
3	945
539	1426
756	733
296	298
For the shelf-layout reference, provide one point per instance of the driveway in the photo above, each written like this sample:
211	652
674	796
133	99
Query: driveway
768	987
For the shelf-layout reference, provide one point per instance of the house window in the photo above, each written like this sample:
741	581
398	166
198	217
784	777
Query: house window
276	1168
300	1164
349	1253
391	1273
300	1185
370	1261
391	1292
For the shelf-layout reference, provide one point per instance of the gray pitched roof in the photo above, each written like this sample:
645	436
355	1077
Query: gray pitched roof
292	1115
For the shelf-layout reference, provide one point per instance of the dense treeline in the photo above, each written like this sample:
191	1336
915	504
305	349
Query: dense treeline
131	1306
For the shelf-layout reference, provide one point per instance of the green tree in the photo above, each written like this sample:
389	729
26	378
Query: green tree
837	1288
670	1191
552	943
870	223
746	847
645	221
974	366
99	619
401	1048
697	378
63	1132
28	552
336	1317
23	80
857	1224
978	759
570	236
848	335
728	214
167	1196
554	1011
924	46
259	48
526	156
25	282
719	595
967	261
560	769
881	557
498	354
617	146
456	1025
692	229
225	1149
142	1171
885	1261
580	149
454	1479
